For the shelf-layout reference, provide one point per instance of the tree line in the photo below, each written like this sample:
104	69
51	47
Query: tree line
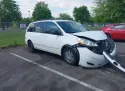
103	11
41	11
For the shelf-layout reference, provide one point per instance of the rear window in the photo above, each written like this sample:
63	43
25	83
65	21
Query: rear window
36	27
119	27
30	28
39	27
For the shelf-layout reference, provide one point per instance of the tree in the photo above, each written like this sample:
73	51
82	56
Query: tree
41	11
109	11
81	14
9	12
65	16
26	20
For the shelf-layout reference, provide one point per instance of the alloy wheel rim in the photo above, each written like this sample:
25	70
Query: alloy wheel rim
69	57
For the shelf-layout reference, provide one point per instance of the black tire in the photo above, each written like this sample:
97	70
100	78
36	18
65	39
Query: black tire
75	58
31	46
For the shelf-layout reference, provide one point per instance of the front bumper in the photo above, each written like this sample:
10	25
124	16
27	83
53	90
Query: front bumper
92	60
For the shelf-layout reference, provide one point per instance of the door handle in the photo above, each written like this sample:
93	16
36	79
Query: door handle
43	35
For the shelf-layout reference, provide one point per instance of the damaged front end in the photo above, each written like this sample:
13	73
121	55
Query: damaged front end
107	45
103	45
105	49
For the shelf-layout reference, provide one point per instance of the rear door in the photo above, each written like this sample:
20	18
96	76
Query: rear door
118	32
30	34
35	34
39	35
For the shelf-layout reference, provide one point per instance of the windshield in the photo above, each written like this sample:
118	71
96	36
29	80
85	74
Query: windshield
71	26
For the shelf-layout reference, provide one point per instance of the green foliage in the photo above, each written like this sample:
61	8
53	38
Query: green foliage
9	11
14	25
111	11
26	20
41	11
81	14
65	16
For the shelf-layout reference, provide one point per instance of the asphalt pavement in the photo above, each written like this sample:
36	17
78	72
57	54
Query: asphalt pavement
21	70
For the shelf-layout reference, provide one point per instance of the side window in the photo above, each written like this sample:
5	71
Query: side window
52	28
39	27
119	27
31	28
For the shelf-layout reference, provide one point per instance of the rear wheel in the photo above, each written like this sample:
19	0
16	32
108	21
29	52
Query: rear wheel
70	56
31	46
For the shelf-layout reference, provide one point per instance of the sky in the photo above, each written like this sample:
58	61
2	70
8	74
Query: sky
56	6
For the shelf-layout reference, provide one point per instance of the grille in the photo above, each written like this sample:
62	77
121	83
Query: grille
104	45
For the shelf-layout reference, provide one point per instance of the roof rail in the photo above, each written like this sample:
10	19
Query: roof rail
54	19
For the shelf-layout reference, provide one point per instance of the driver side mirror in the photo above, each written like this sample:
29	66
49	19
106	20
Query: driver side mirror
56	32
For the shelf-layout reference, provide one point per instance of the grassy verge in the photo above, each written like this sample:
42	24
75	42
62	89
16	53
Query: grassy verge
12	38
93	28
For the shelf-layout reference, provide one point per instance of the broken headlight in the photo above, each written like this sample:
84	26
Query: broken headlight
86	42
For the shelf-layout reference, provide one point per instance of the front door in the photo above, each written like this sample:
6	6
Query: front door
53	38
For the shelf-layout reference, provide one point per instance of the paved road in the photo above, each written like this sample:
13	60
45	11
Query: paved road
43	71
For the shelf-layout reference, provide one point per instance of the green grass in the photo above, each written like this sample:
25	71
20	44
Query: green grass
16	37
12	38
93	28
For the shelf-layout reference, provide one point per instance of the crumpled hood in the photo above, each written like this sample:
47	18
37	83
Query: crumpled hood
95	35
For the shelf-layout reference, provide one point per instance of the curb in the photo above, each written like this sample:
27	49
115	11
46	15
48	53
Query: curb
11	46
0	48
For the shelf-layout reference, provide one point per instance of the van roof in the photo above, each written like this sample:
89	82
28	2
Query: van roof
51	21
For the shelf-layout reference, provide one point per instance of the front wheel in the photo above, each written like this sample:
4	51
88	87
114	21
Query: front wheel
70	56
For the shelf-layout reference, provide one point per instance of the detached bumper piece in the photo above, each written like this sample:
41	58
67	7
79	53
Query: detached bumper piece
112	61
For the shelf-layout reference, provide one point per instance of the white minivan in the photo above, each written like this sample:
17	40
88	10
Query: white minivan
70	40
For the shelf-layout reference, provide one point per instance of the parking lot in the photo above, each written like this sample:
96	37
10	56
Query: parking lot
21	70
